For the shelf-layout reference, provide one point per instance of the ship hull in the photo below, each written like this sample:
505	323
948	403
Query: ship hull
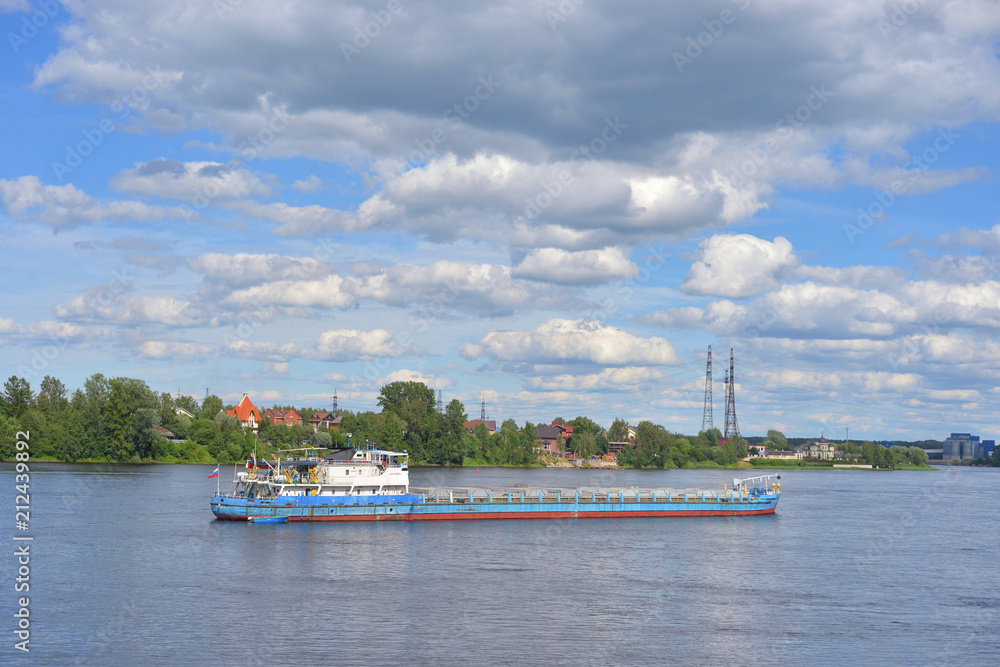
236	510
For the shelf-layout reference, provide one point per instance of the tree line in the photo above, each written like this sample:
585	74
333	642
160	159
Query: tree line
119	420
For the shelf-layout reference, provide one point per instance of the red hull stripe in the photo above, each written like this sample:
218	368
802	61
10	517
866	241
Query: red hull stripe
480	516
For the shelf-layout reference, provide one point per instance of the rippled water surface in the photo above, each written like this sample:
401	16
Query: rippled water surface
129	567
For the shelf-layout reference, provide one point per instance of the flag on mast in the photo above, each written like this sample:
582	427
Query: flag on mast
215	473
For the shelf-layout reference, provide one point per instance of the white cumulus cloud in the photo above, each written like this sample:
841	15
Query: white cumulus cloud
562	340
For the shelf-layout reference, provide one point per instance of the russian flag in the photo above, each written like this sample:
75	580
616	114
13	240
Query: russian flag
215	473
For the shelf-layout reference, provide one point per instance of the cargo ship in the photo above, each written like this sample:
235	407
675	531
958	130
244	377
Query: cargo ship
373	485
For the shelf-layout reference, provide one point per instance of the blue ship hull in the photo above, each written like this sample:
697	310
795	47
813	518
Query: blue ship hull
411	507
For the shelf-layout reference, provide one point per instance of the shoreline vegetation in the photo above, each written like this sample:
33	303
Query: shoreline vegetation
565	463
121	420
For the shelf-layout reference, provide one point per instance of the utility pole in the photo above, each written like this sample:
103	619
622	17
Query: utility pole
706	416
732	426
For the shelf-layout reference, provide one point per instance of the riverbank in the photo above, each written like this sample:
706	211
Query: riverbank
544	462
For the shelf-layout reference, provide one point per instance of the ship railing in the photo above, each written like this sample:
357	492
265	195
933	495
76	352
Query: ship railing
518	495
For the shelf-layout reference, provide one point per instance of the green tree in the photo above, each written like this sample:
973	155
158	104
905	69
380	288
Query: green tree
528	453
188	403
510	437
584	443
712	436
917	456
652	445
211	406
16	398
618	431
778	439
415	403
484	443
454	432
391	432
51	396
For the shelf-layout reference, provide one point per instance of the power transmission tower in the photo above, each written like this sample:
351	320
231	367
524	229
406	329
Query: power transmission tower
706	418
732	427
334	402
440	405
482	410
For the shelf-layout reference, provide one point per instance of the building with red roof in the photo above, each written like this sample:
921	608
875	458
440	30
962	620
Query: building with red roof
246	413
289	417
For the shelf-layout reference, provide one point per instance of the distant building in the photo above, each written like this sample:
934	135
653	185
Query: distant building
784	454
985	449
490	424
246	413
961	446
565	429
822	449
289	417
324	420
182	411
548	437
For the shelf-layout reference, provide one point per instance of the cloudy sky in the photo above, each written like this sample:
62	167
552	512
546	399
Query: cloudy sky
557	205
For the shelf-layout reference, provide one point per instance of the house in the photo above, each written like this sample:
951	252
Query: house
246	413
821	449
182	411
565	429
630	434
549	438
168	434
784	454
324	420
289	417
292	417
490	424
276	416
617	447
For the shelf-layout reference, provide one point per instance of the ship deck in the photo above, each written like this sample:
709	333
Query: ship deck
579	495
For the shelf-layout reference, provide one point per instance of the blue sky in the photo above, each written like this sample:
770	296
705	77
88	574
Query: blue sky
559	206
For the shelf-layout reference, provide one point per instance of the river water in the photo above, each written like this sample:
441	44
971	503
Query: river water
128	567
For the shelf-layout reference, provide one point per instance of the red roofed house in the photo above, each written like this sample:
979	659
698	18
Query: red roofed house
292	417
246	412
287	417
566	429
